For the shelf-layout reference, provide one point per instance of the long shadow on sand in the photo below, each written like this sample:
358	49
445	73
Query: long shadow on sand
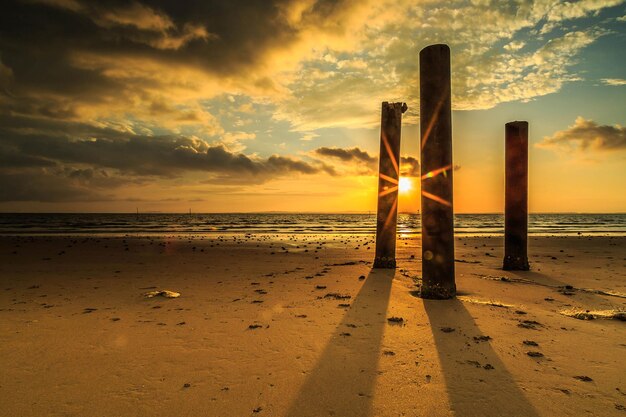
472	389
342	382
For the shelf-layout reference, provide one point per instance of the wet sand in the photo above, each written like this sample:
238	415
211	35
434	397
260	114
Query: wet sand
299	326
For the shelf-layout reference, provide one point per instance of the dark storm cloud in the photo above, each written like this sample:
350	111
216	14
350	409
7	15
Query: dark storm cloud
71	107
11	158
78	155
144	155
42	185
132	161
39	37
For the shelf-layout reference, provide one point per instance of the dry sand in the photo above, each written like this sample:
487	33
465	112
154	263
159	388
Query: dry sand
264	331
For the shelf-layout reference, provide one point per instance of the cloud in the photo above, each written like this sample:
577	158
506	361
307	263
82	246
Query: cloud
613	81
496	58
11	157
44	185
134	14
124	56
137	22
409	167
105	93
158	155
320	63
308	136
521	76
104	157
352	154
514	46
6	76
586	136
567	10
232	140
349	161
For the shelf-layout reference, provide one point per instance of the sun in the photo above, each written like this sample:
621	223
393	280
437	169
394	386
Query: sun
405	185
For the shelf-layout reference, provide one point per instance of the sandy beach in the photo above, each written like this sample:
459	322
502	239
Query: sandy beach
302	326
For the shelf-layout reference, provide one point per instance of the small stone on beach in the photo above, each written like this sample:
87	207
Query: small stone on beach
395	320
337	296
482	338
162	293
529	324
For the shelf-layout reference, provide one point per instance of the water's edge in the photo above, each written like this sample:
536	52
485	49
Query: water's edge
274	223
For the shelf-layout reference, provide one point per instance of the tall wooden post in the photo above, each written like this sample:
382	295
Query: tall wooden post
516	197
388	178
436	169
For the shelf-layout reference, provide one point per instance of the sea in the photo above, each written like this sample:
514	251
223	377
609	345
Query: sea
142	224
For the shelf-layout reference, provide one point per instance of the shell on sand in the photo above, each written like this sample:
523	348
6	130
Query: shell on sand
162	293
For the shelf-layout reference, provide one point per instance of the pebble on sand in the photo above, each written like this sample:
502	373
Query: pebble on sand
162	293
395	320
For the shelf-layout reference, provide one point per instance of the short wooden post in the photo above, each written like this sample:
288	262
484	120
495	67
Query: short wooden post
436	168
516	197
388	178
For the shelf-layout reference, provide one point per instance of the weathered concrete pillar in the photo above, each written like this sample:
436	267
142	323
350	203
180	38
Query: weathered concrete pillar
516	197
436	159
388	178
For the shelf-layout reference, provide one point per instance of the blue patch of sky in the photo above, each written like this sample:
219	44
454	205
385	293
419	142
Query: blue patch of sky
605	58
273	136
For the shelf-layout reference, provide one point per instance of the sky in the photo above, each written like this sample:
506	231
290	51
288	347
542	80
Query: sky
250	106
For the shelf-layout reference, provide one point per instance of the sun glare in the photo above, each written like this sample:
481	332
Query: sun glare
405	185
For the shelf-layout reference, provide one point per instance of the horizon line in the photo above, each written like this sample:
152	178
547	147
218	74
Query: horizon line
282	212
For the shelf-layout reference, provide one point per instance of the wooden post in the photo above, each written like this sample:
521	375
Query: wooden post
516	197
436	169
388	178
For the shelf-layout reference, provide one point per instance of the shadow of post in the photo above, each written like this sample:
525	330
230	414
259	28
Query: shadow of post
342	382
472	389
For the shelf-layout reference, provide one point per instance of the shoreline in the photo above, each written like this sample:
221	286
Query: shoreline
294	224
216	234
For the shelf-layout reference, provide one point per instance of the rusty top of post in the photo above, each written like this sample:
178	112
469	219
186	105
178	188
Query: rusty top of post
439	47
402	105
517	123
